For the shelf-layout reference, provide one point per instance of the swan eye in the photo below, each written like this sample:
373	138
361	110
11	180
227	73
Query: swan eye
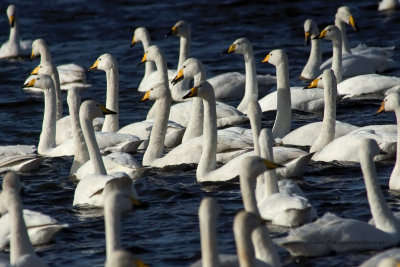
184	66
40	67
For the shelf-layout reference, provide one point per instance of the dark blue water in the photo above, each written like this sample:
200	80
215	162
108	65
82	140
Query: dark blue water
166	233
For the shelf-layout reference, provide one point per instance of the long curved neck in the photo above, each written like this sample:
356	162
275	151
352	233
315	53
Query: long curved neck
208	159
81	152
383	217
184	50
264	247
111	122
247	189
283	118
337	58
45	55
395	176
251	86
150	67
14	39
270	178
112	221
312	68
342	27
208	238
327	132
93	147
19	239
56	80
244	246
254	114
48	136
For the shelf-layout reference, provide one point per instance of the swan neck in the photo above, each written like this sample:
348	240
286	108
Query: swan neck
283	118
93	147
269	178
184	50
264	248
337	58
342	27
251	86
111	122
383	217
14	38
247	189
208	157
47	138
312	68
19	239
56	80
161	66
112	221
45	55
244	246
195	125
155	149
209	247
394	180
149	65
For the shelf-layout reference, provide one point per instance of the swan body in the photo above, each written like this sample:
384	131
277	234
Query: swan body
14	47
388	258
21	249
385	5
89	190
311	239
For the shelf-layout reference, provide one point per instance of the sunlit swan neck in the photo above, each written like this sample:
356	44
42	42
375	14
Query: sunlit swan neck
48	136
264	247
243	225
314	61
383	217
254	113
270	185
283	119
345	48
208	157
81	151
208	218
149	65
247	189
112	221
90	138
14	39
394	182
44	51
251	87
184	49
19	239
337	57
111	122
49	69
327	132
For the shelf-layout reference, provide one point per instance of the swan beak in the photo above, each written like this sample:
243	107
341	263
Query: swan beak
146	96
106	111
179	77
313	84
381	108
31	83
139	263
322	35
271	165
144	59
266	58
133	42
135	202
33	56
35	70
352	23
231	49
94	66
307	37
192	93
11	21
173	31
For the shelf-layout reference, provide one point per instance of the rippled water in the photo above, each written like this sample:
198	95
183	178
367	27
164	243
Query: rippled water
166	233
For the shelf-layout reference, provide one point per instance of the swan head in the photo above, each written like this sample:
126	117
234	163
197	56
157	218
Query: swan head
203	90
255	165
42	81
209	207
92	109
344	14
390	103
189	69
330	32
152	53
157	91
11	14
326	80
37	46
139	35
118	200
181	29
104	62
316	83
275	57
310	30
45	68
123	258
239	46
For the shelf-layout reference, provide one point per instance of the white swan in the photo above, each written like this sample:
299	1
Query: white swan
281	208
71	75
226	85
386	5
90	188
392	103
116	202
21	249
14	47
331	233
41	228
388	258
19	158
311	69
